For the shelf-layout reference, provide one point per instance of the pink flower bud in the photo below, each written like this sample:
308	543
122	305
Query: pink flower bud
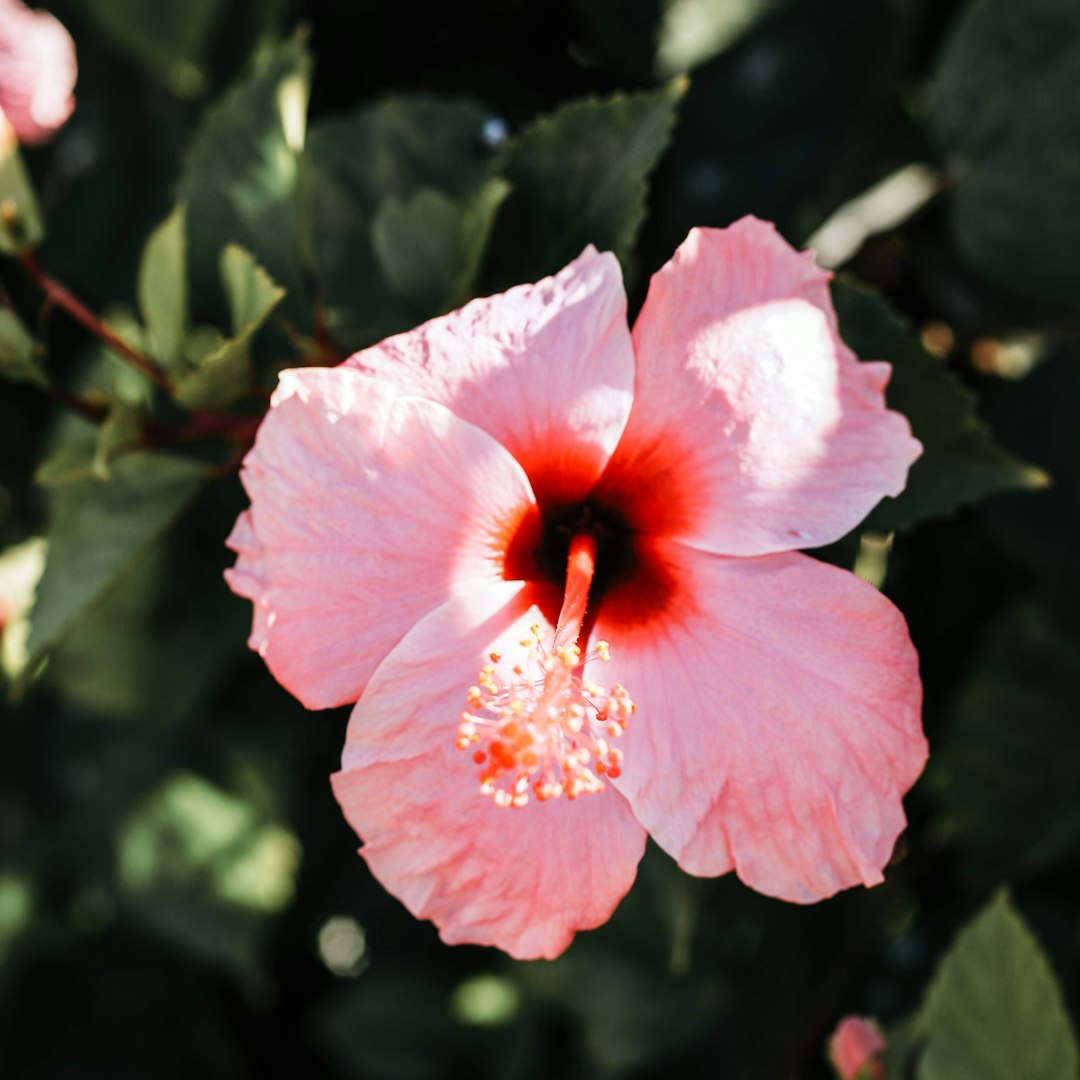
855	1049
37	71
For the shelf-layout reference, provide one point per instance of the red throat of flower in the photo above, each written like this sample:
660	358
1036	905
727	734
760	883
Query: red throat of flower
548	731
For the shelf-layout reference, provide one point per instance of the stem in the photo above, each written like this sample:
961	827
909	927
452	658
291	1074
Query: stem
57	294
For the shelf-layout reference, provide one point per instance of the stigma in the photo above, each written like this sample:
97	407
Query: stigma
547	732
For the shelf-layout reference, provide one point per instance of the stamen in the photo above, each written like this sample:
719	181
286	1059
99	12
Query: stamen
546	732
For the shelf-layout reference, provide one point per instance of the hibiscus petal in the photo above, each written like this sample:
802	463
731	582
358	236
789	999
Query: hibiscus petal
547	369
755	428
522	879
777	724
368	510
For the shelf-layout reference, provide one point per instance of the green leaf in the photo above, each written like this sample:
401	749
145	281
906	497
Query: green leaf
169	38
376	181
429	247
994	1010
1006	776
580	177
225	374
97	531
19	356
162	288
1007	118
961	462
240	179
251	291
21	228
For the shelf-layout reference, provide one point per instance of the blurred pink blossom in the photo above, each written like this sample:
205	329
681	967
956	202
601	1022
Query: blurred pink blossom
37	71
602	524
855	1049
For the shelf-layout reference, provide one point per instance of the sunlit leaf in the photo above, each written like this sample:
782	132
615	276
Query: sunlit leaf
199	865
162	288
240	178
1007	118
961	461
994	1010
21	228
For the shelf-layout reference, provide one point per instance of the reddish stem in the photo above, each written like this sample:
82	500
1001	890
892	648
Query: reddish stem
57	294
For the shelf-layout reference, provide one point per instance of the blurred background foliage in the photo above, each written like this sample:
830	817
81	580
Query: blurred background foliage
250	184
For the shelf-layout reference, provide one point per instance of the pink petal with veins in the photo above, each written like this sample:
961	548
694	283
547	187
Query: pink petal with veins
522	879
777	725
755	428
547	369
369	509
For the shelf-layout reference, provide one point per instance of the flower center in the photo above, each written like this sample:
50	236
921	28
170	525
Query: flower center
547	732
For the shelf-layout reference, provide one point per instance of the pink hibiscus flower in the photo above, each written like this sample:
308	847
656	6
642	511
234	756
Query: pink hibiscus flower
37	71
601	524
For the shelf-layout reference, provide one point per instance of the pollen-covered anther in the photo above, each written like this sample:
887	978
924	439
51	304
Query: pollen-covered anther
546	733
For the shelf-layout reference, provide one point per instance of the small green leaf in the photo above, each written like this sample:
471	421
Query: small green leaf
580	176
994	1010
119	433
1007	773
961	462
251	291
21	228
417	243
225	374
19	357
1007	118
240	179
478	224
429	247
162	288
98	529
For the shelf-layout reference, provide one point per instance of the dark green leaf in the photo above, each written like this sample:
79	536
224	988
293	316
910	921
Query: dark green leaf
994	1010
1038	417
377	179
241	175
429	247
580	177
1007	117
782	123
1007	775
961	462
19	358
162	288
98	530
